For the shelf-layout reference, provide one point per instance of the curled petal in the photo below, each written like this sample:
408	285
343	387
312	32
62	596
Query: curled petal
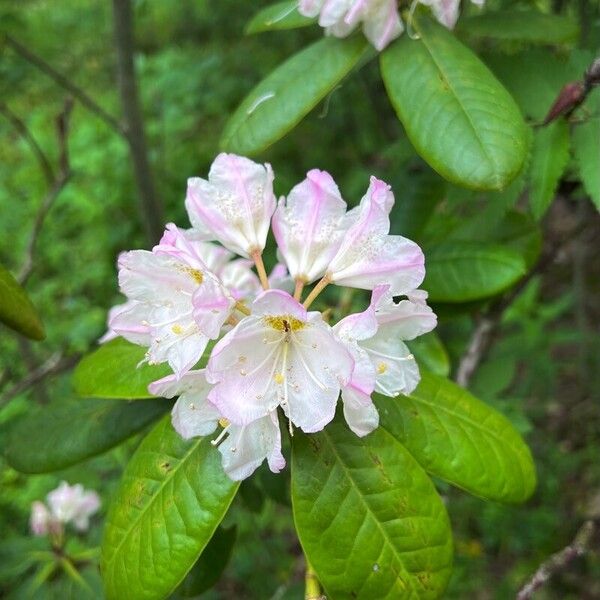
445	11
127	320
359	411
309	225
192	414
235	204
239	278
383	24
247	446
212	307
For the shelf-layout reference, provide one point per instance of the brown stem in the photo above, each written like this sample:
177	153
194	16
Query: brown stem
559	561
149	203
256	256
323	283
298	289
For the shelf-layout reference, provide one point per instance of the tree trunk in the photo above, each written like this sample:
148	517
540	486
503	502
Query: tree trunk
149	203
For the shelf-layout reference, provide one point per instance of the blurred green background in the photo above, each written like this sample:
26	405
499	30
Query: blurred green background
194	66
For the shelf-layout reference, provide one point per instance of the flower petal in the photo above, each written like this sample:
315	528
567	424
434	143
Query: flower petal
212	307
382	24
277	302
235	204
359	411
307	226
247	446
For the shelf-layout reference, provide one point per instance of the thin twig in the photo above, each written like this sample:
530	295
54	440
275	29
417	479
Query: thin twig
559	561
57	363
24	132
65	83
57	185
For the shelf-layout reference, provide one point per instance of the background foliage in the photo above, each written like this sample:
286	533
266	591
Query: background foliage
195	67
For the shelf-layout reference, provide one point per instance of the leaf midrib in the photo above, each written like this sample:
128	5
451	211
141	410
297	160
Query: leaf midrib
495	176
160	489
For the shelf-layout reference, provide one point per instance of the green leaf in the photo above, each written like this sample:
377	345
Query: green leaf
279	102
586	142
283	15
64	433
529	26
548	162
458	438
520	233
114	371
369	519
458	116
211	564
462	271
173	495
430	353
16	309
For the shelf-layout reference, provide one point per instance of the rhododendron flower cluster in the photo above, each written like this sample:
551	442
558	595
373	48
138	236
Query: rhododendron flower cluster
380	19
66	504
272	351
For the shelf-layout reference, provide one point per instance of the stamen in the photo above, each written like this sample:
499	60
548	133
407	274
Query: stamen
220	437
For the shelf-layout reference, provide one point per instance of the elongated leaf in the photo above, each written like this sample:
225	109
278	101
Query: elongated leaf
211	564
529	26
283	15
549	160
369	519
116	370
67	432
16	309
456	437
173	496
279	102
586	142
458	116
464	271
431	354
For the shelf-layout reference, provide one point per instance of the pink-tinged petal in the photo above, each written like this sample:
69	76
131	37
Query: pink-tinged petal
130	321
396	369
73	504
192	414
239	278
364	325
277	302
418	296
40	519
242	365
334	11
310	377
212	307
405	320
309	225
235	204
445	11
383	24
246	447
381	259
310	8
359	411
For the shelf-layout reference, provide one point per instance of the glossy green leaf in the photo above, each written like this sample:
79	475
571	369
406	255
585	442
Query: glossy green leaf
458	116
529	26
430	353
116	370
64	433
369	519
16	309
211	564
548	162
279	102
461	271
173	495
458	438
586	142
282	15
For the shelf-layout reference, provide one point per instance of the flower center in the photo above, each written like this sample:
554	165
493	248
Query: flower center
285	323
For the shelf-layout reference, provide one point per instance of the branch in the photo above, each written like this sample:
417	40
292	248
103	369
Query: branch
24	132
57	185
559	561
57	363
65	83
149	203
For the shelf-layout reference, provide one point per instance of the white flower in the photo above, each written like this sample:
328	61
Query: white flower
275	358
73	504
